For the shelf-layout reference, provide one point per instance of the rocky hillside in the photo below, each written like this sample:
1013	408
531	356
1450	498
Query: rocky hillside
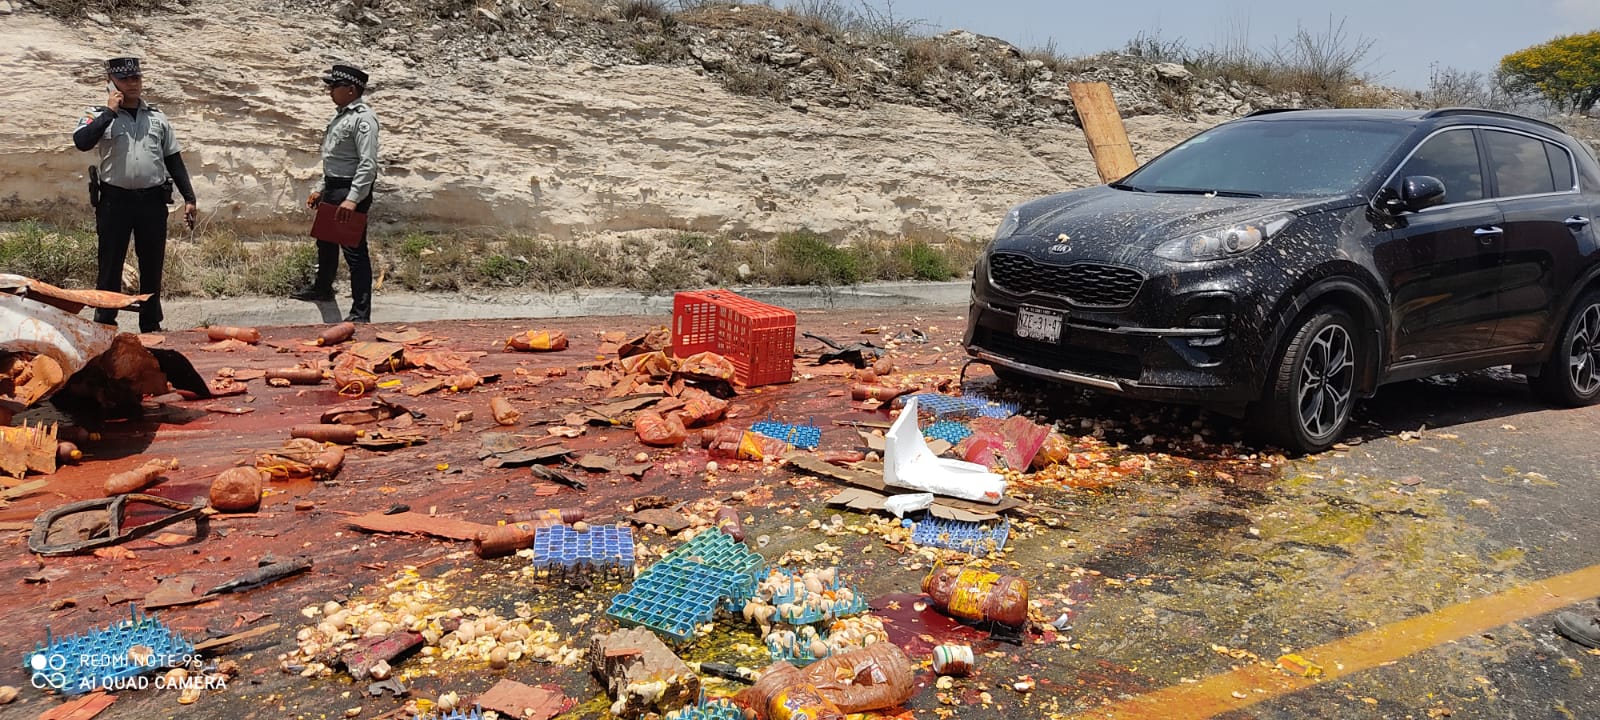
569	118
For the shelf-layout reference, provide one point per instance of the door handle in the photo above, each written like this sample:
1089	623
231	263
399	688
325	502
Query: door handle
1577	222
1487	235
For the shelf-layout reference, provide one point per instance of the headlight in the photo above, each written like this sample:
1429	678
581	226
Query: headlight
1224	242
1009	225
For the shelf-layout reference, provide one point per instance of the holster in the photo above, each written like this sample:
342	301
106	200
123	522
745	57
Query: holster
166	191
94	186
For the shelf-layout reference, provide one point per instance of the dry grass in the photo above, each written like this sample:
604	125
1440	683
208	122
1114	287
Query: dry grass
224	263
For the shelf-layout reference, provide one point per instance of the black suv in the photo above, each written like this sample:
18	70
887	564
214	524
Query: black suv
1282	265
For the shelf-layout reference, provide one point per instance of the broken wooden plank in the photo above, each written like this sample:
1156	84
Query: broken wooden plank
236	637
411	523
1102	125
870	477
83	708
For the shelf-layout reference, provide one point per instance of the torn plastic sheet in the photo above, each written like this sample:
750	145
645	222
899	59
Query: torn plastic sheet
909	463
31	327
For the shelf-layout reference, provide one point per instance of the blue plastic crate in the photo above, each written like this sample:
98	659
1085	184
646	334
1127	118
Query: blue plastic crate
673	596
796	591
968	537
943	407
947	430
602	548
77	664
796	653
716	709
476	714
718	550
805	437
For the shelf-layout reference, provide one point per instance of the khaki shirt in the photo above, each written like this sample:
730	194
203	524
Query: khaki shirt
133	150
350	148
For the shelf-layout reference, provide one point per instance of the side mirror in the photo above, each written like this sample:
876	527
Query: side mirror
1417	192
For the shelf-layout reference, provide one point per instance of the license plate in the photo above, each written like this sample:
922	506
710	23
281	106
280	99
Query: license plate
1039	324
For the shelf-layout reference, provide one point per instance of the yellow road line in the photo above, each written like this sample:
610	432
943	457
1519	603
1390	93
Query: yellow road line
1215	695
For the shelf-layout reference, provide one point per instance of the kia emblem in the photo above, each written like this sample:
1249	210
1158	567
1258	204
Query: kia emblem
1059	249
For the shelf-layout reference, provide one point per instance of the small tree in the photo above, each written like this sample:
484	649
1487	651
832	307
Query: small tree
1564	71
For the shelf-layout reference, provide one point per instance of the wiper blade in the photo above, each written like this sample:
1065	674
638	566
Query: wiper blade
1209	193
1125	186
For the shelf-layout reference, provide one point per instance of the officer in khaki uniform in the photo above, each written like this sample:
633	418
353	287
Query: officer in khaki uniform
139	162
349	169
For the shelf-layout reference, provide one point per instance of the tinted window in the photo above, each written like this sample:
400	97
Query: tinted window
1274	158
1560	165
1452	157
1520	164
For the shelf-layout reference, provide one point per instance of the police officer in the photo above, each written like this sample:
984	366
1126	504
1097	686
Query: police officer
138	158
349	168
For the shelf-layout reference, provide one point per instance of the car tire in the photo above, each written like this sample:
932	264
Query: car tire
1311	391
1570	377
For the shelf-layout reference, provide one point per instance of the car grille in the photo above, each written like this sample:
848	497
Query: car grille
1064	358
1085	284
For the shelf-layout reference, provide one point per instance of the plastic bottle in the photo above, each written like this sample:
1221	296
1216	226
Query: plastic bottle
730	524
978	595
67	452
502	540
732	442
784	693
140	477
297	375
339	434
337	334
242	334
875	677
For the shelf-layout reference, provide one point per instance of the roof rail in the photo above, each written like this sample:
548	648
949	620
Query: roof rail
1272	111
1456	111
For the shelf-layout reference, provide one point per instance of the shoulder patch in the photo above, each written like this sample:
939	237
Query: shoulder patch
364	126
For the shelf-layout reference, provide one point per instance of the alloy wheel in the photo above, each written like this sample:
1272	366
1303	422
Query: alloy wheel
1327	379
1583	352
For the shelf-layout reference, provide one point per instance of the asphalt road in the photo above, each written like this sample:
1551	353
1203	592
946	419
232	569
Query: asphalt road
1407	565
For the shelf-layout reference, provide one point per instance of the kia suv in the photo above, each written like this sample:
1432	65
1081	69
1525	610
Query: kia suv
1284	265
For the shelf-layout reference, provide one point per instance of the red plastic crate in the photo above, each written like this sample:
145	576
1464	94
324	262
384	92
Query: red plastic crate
756	337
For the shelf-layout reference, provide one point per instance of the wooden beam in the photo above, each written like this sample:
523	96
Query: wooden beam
1102	125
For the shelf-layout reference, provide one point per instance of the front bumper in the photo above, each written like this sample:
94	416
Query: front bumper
1185	346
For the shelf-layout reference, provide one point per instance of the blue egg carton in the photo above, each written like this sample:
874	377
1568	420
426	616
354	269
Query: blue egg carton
716	709
811	616
943	407
77	664
949	431
797	654
969	537
675	595
476	714
805	437
599	549
718	550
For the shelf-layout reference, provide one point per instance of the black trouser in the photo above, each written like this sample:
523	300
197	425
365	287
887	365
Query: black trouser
334	192
142	213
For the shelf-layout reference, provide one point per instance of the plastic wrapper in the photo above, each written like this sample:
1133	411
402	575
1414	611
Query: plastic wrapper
656	430
707	365
537	341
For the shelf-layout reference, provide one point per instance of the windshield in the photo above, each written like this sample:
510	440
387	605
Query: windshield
1278	158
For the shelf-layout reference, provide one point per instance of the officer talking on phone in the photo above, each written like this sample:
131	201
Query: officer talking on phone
131	185
349	169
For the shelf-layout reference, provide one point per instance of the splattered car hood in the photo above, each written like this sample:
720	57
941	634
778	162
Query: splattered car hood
1119	226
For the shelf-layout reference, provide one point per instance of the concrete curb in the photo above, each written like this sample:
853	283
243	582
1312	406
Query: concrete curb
405	307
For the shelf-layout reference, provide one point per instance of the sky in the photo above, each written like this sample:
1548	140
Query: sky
1409	36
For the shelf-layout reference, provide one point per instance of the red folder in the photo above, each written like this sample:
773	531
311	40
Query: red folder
327	228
